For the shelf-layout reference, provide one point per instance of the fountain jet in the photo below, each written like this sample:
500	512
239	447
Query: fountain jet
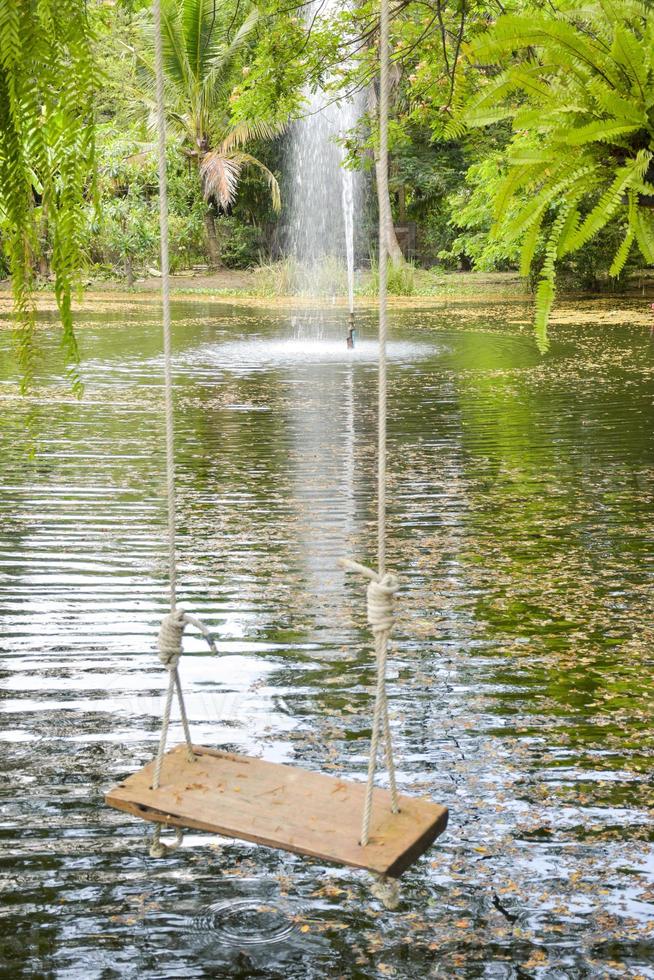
321	235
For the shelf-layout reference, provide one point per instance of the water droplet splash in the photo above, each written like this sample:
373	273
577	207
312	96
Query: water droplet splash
246	922
242	356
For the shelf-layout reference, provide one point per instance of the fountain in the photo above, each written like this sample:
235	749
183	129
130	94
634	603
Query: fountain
321	234
347	177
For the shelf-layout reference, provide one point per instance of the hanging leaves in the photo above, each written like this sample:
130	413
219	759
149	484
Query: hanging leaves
578	85
46	156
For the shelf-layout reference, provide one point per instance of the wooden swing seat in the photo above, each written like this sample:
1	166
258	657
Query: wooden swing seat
282	807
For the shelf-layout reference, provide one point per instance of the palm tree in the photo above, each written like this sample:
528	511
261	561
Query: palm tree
199	57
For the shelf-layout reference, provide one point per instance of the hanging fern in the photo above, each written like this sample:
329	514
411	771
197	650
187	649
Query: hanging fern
46	155
579	89
546	290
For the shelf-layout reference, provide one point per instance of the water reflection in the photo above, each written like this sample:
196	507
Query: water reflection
521	692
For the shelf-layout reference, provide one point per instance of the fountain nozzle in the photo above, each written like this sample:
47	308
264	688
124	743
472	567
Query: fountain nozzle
351	331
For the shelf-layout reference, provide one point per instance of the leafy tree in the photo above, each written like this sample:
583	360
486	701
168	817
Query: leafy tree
579	91
200	58
471	214
126	232
46	153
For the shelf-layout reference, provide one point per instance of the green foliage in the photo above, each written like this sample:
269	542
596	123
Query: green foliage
471	213
579	90
202	45
46	153
401	280
535	152
242	244
127	232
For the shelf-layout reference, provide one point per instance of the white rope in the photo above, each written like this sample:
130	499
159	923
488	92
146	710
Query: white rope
380	595
384	219
382	586
157	847
387	890
171	634
165	303
171	631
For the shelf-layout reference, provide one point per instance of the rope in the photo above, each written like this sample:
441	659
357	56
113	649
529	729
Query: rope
158	849
165	303
387	890
384	218
171	634
382	586
380	596
171	631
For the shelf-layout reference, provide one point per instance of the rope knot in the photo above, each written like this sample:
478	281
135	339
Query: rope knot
160	850
380	594
171	634
381	603
387	890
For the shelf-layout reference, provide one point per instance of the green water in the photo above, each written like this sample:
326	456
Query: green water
520	520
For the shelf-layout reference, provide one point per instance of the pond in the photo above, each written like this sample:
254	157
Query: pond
521	509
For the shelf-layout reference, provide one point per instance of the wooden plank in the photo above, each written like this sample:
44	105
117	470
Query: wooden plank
283	807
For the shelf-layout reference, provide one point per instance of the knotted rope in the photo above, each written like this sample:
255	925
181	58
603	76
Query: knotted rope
171	634
387	890
380	595
382	586
171	631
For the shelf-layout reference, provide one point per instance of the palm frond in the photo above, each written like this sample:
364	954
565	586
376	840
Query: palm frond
246	160
248	131
220	175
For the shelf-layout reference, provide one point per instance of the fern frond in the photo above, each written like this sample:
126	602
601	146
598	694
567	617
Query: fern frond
563	182
622	254
602	131
613	104
530	156
546	291
46	146
529	246
627	53
643	228
611	199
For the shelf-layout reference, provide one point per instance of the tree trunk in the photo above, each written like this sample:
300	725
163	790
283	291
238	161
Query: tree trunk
395	256
213	244
401	204
129	271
